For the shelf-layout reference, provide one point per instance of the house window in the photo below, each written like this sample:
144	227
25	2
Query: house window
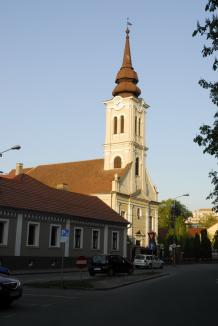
137	166
139	213
95	239
117	162
122	124
115	125
78	238
115	240
4	224
55	231
33	234
139	127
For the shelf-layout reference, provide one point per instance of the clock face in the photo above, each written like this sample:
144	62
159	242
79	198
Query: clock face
118	103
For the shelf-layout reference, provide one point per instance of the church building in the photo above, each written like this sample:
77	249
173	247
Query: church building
120	179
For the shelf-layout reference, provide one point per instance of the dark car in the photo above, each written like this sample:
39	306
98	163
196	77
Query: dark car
10	290
4	270
109	264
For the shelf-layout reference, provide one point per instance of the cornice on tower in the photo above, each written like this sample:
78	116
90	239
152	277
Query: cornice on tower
126	78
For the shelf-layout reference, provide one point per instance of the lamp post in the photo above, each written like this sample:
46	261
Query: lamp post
17	147
174	227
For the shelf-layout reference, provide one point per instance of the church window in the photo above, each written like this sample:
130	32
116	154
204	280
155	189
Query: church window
122	124
137	166
139	213
123	214
115	125
136	125
139	127
150	224
117	162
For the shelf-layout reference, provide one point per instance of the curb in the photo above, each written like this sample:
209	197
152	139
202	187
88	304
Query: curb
115	286
128	283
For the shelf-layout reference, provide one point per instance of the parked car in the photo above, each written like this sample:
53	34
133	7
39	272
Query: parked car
110	264
4	270
10	290
147	261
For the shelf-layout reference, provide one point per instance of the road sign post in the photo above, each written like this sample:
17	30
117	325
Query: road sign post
64	237
81	263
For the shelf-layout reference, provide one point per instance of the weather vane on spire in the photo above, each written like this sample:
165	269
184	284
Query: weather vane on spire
128	24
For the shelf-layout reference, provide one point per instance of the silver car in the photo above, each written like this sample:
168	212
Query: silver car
147	261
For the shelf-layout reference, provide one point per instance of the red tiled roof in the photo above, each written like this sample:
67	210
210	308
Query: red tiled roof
193	231
85	177
24	192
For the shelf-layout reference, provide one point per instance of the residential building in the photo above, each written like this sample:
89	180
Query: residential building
33	217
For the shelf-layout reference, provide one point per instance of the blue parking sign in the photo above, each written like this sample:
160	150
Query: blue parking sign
64	234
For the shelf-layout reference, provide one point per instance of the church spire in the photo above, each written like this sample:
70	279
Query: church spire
126	78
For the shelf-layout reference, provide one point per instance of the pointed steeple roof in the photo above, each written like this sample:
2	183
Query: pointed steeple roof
126	78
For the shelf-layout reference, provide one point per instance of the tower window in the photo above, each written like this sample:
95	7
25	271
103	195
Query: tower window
136	125
122	124
139	213
139	127
137	166
115	125
117	162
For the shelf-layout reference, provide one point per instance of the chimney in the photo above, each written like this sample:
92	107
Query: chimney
19	168
62	186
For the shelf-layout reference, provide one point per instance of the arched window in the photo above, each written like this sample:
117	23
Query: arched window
136	125
139	127
139	213
117	162
115	125
122	124
137	166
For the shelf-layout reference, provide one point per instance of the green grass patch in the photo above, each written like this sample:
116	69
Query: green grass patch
65	284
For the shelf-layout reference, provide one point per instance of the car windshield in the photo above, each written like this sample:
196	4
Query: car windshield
149	257
99	259
139	257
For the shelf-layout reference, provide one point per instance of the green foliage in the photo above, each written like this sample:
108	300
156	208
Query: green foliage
197	246
188	248
208	137
206	251
215	240
167	214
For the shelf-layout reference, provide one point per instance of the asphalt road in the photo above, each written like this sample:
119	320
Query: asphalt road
188	296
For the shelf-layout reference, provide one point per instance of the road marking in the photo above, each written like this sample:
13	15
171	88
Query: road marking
49	296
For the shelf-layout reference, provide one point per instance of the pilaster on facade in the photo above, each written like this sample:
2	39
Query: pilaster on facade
18	236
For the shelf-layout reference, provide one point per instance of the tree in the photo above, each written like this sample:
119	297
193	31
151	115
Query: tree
166	213
206	251
197	246
215	240
208	137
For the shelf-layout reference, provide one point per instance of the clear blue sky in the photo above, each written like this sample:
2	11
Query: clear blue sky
58	61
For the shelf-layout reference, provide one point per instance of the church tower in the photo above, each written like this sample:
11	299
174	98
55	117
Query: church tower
125	124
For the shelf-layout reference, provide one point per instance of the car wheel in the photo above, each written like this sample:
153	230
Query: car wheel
131	271
111	272
91	273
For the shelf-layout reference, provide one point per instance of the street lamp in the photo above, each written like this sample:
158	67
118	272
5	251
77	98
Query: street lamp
174	227
11	148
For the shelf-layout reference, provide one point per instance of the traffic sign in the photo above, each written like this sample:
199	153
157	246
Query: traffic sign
81	262
64	235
